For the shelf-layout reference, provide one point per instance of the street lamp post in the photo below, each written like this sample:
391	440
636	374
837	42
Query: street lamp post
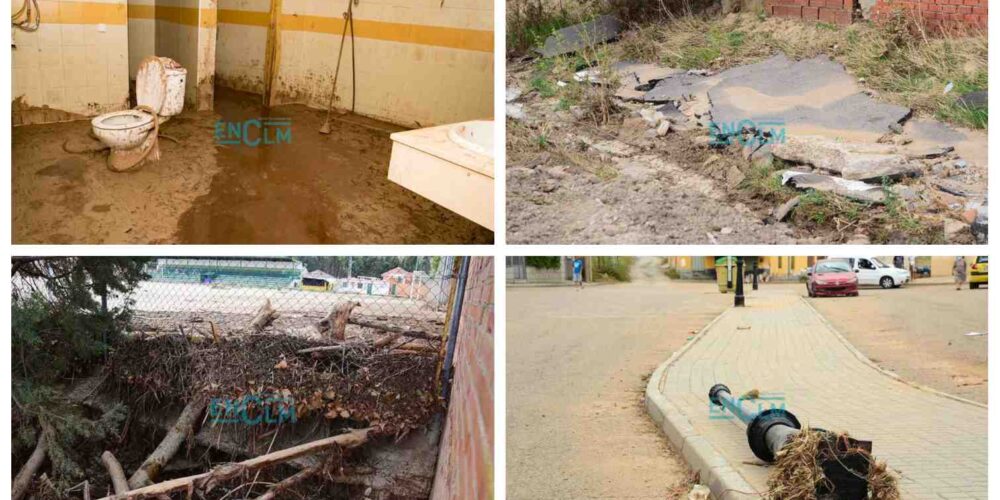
740	299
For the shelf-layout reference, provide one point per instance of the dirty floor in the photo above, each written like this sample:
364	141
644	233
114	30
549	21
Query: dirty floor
576	427
319	189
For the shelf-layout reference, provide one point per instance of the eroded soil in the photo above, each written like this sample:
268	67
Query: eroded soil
318	189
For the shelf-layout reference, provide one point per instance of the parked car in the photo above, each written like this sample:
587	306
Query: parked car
832	277
979	273
872	272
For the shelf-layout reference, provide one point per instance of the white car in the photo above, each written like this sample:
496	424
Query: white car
872	272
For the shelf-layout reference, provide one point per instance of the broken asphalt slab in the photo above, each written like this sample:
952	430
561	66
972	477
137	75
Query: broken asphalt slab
811	94
580	36
855	190
853	161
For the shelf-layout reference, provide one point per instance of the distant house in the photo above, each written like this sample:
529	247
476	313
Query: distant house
318	281
403	283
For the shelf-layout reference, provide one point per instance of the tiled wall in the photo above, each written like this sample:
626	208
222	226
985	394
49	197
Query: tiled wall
242	41
419	63
465	460
185	32
75	65
141	33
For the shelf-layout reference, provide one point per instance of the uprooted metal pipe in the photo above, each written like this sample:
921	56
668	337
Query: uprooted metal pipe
348	21
770	430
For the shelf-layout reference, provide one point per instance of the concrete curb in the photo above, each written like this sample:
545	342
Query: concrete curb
721	478
864	359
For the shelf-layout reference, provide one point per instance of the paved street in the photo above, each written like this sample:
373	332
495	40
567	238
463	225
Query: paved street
919	332
576	368
782	346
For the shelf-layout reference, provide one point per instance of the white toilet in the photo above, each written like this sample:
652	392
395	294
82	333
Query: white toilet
159	92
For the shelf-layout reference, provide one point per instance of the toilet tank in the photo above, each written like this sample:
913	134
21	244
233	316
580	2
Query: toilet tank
173	103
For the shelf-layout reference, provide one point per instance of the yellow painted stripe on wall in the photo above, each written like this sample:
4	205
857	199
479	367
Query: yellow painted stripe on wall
456	38
189	16
82	12
245	17
440	36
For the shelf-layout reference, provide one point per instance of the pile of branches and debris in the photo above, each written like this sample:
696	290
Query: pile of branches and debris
341	413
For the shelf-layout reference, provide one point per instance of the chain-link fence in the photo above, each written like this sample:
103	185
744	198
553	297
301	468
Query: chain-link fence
225	294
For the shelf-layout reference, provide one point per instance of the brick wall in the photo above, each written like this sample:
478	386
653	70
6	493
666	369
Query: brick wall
938	13
465	462
827	11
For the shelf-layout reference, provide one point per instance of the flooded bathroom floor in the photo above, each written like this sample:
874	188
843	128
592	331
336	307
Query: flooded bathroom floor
315	189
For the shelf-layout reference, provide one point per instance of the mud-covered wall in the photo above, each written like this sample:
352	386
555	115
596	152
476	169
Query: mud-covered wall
418	63
465	460
75	65
242	42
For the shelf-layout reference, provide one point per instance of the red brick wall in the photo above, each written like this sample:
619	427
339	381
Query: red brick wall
938	13
827	11
465	462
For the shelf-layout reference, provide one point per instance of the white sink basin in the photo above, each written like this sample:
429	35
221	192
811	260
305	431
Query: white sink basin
475	136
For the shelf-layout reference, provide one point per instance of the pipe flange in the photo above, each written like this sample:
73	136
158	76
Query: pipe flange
757	430
713	393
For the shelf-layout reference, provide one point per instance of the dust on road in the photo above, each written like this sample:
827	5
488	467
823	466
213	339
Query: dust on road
919	332
577	363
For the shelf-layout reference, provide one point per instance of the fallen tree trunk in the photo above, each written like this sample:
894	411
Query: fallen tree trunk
265	316
208	480
378	343
335	324
116	472
150	468
23	479
395	329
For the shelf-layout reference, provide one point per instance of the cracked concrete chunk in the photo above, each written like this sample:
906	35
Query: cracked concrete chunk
579	36
855	190
854	161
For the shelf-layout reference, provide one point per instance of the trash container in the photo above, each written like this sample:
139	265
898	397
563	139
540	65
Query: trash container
723	277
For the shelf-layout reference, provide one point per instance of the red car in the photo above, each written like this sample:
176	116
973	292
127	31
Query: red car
830	278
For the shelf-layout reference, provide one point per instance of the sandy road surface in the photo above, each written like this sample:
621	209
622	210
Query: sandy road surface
576	368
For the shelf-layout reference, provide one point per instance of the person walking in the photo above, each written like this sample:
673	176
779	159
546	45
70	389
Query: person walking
578	272
958	271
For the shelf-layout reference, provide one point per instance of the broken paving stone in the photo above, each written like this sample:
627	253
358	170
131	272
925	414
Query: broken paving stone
516	111
663	128
580	36
781	213
855	190
974	99
634	79
513	93
954	227
853	161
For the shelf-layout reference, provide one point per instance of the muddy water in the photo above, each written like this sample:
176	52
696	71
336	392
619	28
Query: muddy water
313	188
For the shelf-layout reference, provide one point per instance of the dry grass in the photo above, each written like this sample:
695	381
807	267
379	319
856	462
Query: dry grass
797	472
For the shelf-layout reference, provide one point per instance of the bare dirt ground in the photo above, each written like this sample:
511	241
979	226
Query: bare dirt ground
651	198
318	189
919	333
577	363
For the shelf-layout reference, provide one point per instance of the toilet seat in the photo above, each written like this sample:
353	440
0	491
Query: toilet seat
123	120
122	129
